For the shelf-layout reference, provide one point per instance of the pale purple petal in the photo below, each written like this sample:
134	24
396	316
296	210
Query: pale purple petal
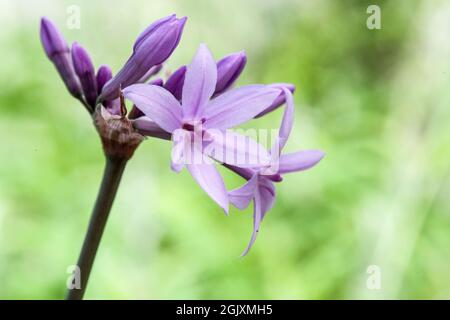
256	221
263	201
156	103
287	122
267	191
209	178
148	127
177	160
237	106
299	161
199	84
236	149
242	196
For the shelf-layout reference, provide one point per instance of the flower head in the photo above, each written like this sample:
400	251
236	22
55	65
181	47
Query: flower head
198	114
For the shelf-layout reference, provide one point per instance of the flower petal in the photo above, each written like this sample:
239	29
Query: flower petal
238	105
157	103
199	84
299	161
242	196
286	123
148	127
236	149
263	201
177	160
208	177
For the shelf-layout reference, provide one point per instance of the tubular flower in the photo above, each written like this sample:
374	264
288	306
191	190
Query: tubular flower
200	117
260	185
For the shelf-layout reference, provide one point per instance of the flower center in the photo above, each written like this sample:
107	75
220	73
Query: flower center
194	125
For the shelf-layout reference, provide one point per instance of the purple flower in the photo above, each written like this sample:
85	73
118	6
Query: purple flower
153	46
85	71
198	114
229	69
260	185
58	52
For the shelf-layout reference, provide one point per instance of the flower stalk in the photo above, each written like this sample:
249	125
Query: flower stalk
119	140
111	179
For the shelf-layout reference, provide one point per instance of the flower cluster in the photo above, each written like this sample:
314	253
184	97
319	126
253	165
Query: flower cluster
195	107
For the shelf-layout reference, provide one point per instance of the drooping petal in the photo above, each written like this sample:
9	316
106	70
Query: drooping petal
209	178
229	147
286	123
263	201
238	105
300	160
241	197
229	69
267	191
86	73
280	100
148	127
256	221
157	104
199	84
175	82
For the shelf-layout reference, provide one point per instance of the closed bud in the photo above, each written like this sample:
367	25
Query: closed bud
175	82
86	73
104	74
58	52
153	46
229	69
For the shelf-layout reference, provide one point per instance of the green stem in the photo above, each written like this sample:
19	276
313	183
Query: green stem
111	179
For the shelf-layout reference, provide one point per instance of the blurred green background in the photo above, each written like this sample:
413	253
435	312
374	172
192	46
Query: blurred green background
377	101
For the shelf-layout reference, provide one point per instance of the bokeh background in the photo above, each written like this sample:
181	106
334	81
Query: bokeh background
377	101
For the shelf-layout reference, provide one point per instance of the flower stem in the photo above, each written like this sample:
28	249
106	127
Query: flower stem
110	183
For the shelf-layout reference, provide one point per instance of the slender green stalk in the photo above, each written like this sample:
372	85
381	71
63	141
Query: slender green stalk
111	179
